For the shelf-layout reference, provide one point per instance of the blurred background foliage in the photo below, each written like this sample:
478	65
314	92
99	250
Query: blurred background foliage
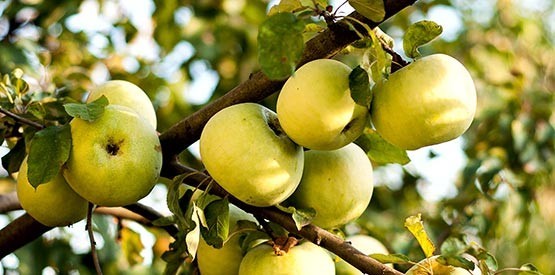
186	53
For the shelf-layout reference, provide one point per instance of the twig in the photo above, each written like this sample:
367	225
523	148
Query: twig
397	61
9	202
91	238
21	119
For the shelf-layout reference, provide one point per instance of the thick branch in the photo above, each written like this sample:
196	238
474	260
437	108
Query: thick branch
9	202
258	86
20	232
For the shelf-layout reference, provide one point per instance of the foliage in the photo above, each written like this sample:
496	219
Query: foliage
188	53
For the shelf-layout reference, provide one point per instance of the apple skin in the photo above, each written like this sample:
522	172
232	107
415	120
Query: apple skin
114	160
431	101
305	258
365	244
53	203
315	107
338	184
431	264
121	92
244	149
224	260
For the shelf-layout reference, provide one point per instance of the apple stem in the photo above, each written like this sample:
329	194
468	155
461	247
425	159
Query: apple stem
91	238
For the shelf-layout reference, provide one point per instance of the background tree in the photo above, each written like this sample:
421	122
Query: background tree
186	54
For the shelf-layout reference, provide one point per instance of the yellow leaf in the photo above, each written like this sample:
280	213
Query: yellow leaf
131	246
416	227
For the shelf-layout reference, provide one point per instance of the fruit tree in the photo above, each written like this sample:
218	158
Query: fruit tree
277	137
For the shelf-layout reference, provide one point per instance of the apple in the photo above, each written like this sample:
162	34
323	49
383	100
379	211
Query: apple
53	203
224	260
114	160
315	107
245	150
430	101
305	258
365	244
121	92
338	184
432	266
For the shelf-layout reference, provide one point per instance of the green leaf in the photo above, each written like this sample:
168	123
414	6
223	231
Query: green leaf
452	247
390	258
13	159
49	150
280	45
418	34
457	261
379	150
301	216
87	111
192	238
487	259
529	269
285	6
359	84
416	227
371	9
217	219
375	59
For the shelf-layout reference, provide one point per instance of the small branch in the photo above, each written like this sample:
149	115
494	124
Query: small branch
91	238
397	61
151	215
21	119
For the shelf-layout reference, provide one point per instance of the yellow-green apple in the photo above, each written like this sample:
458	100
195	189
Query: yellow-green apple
114	160
245	150
430	101
430	266
365	244
121	92
305	258
337	184
53	203
315	107
224	260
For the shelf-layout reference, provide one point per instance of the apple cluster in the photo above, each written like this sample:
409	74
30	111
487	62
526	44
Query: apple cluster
302	155
114	160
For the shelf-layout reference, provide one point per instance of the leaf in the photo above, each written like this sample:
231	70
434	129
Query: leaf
418	34
217	219
453	247
416	227
280	45
487	259
192	238
390	258
379	150
457	261
371	9
13	159
359	84
87	111
375	58
529	269
285	6
131	246
301	216
49	150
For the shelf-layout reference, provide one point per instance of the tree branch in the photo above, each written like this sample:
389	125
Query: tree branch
258	86
310	232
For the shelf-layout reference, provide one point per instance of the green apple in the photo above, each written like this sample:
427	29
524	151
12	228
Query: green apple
315	107
53	203
430	101
430	266
114	160
365	244
245	150
305	258
121	92
224	260
337	184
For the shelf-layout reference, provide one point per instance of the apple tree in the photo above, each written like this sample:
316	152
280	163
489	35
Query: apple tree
365	94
